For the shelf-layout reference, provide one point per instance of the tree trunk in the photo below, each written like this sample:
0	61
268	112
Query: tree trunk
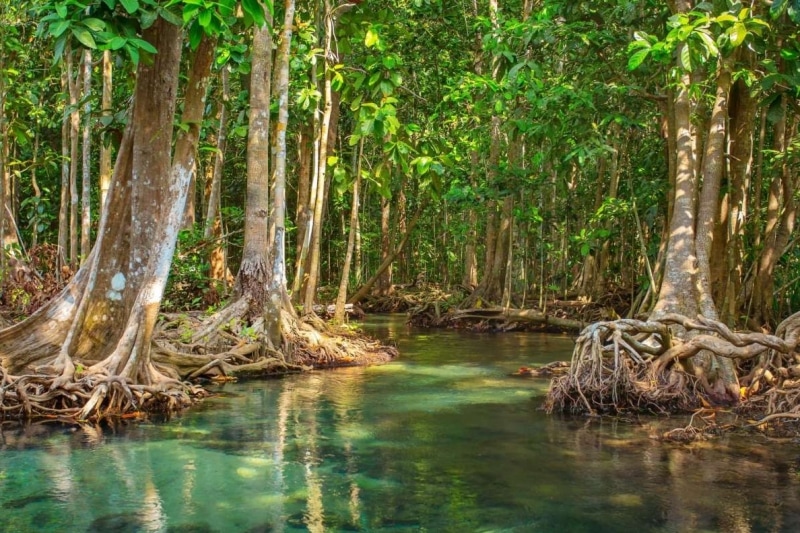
3	162
677	294
314	252
713	163
86	185
107	313
341	298
742	131
212	228
106	112
278	295
384	284
305	155
63	212
251	282
74	132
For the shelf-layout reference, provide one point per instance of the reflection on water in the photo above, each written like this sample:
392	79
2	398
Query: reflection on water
441	440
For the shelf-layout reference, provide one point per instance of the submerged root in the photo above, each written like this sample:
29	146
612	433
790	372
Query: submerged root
636	366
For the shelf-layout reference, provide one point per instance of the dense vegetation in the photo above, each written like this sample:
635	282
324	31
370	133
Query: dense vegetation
641	157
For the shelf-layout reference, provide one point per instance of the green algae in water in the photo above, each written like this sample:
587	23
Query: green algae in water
442	440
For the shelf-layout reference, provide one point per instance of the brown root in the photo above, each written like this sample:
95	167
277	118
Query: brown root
635	366
87	397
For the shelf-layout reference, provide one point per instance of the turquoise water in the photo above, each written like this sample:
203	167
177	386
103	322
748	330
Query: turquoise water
441	440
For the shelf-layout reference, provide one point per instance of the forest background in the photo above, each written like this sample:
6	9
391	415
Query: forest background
509	153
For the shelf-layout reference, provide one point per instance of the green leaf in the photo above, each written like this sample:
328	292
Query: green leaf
737	34
84	37
61	43
117	42
59	28
708	41
777	8
169	16
255	11
371	39
638	58
725	17
148	18
133	51
61	9
204	18
195	35
94	24
686	58
131	6
143	45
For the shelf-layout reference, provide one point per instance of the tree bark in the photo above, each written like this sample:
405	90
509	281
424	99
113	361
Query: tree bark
341	297
105	316
310	291
278	295
74	133
253	277
106	111
86	185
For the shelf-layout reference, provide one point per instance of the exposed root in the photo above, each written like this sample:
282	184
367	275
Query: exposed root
88	397
556	368
635	366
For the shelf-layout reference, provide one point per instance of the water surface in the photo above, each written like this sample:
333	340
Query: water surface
444	439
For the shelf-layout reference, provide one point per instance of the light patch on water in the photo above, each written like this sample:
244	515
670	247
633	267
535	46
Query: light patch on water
247	473
626	500
268	499
354	432
448	372
258	461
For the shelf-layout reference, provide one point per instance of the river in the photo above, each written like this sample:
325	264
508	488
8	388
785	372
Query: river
443	439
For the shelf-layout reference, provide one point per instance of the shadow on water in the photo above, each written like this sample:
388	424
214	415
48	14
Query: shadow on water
440	440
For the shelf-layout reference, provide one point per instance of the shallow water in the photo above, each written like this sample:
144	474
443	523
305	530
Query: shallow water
441	440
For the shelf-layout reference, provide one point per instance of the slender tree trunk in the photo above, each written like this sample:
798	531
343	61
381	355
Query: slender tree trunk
212	211
713	164
781	218
305	155
278	295
3	151
341	298
106	112
86	185
385	279
74	133
742	132
253	277
37	192
63	213
677	292
212	228
321	173
402	260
